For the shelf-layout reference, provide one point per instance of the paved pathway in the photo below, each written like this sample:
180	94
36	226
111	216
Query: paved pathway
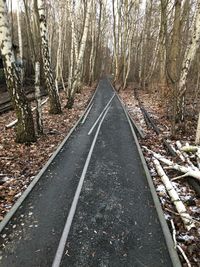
115	223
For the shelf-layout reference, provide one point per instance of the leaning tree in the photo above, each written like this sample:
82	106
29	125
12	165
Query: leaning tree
25	132
55	106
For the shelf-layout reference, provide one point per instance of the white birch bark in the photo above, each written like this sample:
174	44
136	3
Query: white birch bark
20	67
154	62
61	40
59	56
188	171
55	106
188	59
197	140
77	72
127	40
191	49
186	218
162	42
25	132
93	39
115	40
73	41
128	60
38	99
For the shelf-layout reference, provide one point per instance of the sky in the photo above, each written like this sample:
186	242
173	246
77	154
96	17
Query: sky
14	3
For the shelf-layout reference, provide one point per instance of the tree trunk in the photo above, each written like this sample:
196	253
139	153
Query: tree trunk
78	70
173	61
96	60
72	49
61	41
116	41
30	34
55	106
187	62
93	39
186	218
25	132
20	59
146	39
162	45
39	122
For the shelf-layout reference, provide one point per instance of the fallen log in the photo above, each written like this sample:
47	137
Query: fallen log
188	171
169	147
185	155
145	117
194	183
153	125
179	154
188	149
136	127
187	220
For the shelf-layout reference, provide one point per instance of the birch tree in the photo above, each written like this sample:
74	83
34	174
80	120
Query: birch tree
162	42
55	106
197	140
98	38
93	43
173	60
115	39
20	60
25	132
62	13
129	28
77	72
187	61
73	44
39	122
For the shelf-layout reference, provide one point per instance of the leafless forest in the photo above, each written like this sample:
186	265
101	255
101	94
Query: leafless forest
154	44
59	49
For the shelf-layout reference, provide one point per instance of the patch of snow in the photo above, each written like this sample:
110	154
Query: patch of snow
186	237
161	188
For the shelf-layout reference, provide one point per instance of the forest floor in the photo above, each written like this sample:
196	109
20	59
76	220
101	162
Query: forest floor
20	163
189	241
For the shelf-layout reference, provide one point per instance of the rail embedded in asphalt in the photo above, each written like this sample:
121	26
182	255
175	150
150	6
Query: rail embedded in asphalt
97	120
70	217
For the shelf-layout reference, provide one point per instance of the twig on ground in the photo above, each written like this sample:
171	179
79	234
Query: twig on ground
174	233
184	256
176	213
179	177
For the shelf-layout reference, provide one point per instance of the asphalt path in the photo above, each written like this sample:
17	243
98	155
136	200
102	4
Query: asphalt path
115	222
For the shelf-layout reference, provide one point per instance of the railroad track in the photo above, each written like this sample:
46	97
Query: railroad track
6	105
84	208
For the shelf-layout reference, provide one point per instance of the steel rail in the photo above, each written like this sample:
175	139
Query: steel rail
101	114
191	181
25	194
87	113
63	240
168	238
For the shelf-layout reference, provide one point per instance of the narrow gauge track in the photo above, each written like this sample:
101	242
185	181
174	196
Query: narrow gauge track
151	124
6	104
93	205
